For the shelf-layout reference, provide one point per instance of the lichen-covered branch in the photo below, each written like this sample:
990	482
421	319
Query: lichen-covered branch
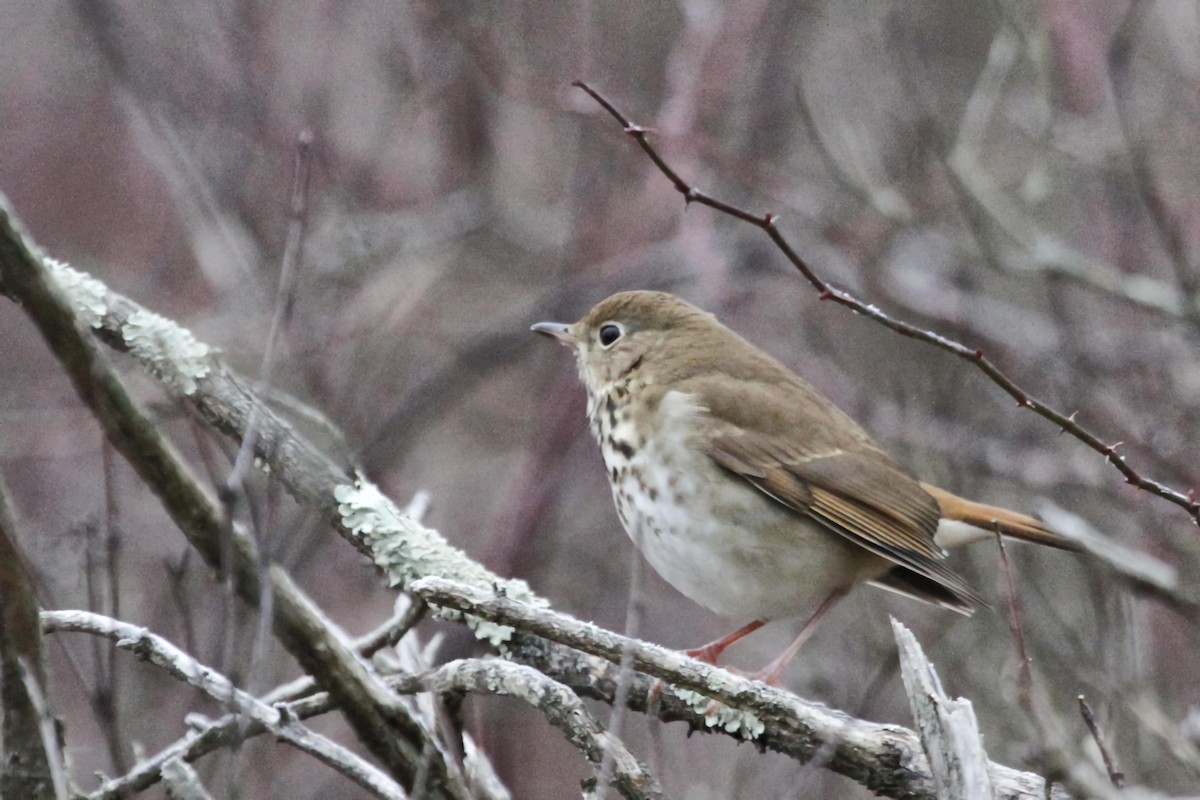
556	702
396	542
887	759
178	360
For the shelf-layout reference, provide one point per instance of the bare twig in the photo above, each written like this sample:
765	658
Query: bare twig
182	782
767	222
394	629
161	653
1115	775
1025	674
561	707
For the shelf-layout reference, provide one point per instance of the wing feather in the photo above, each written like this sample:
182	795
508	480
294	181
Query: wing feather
862	496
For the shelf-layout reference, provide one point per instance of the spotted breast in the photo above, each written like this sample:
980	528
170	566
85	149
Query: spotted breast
700	531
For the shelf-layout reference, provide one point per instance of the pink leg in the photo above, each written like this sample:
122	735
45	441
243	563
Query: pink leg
770	673
710	652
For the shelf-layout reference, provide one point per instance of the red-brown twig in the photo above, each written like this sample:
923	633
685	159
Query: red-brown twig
975	356
1115	775
1024	673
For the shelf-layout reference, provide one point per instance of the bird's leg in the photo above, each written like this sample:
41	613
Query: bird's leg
771	672
707	654
710	652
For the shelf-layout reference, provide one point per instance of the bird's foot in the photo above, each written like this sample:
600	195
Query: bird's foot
708	654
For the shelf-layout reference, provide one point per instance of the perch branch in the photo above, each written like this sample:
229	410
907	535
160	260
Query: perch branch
887	759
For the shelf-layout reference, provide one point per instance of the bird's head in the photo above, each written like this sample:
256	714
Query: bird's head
651	332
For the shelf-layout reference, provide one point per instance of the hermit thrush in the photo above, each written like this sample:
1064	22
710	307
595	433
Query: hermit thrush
749	491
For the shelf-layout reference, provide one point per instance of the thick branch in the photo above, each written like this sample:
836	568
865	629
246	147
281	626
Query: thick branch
885	758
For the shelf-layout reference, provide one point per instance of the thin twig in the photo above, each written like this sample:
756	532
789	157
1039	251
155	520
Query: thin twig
161	653
1025	675
556	702
1115	775
633	622
767	222
46	725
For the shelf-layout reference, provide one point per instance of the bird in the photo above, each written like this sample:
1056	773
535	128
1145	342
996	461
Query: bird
748	490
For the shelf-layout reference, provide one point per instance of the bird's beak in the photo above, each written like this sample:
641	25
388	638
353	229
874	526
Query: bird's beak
557	330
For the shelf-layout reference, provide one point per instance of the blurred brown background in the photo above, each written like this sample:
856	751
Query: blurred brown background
1018	175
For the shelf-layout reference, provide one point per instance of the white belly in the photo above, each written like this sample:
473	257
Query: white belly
745	556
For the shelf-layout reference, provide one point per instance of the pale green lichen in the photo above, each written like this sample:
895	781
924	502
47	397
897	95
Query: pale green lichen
406	550
717	714
85	294
168	350
488	631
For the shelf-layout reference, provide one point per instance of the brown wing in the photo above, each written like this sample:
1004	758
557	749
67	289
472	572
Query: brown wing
857	493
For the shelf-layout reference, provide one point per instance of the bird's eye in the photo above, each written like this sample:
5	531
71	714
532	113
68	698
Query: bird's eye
609	333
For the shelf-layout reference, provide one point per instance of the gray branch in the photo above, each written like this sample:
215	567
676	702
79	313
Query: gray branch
949	733
888	759
556	702
156	650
